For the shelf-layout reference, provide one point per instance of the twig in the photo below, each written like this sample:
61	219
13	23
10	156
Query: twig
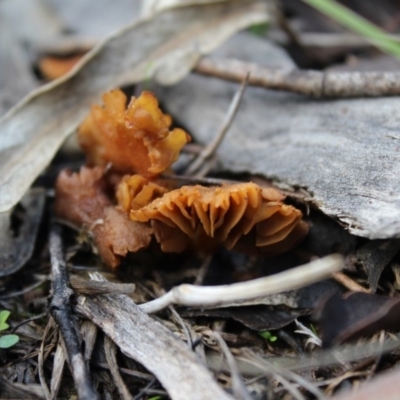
238	385
26	321
196	167
130	372
181	322
20	391
276	370
24	290
110	353
61	311
41	357
143	391
58	369
348	283
317	359
202	272
225	295
307	82
315	40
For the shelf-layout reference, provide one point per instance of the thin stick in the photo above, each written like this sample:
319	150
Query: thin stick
181	322
238	385
225	295
306	82
60	310
348	283
42	379
24	290
208	151
26	321
130	372
111	358
274	369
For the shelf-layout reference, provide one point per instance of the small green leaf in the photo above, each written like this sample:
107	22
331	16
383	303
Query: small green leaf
268	335
259	29
7	341
312	327
3	318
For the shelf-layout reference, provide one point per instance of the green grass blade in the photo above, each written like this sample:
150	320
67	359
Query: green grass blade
357	24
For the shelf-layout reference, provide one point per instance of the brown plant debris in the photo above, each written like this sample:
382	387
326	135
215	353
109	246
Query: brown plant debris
55	67
241	212
81	199
134	138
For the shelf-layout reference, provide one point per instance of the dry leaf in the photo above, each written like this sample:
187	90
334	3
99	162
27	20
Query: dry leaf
32	131
81	199
16	77
227	214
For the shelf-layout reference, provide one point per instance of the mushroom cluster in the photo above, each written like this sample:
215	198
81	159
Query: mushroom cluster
121	191
226	214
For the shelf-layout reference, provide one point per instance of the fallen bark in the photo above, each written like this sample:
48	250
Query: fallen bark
151	344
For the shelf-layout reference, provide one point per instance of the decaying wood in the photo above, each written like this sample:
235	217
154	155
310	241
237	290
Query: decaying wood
151	344
308	82
60	309
245	292
93	288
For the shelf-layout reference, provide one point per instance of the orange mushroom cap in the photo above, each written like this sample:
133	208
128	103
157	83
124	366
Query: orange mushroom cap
227	214
135	139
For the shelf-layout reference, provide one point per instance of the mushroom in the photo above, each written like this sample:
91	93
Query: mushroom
228	214
135	139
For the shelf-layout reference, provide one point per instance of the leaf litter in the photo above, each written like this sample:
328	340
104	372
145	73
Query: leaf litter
236	286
